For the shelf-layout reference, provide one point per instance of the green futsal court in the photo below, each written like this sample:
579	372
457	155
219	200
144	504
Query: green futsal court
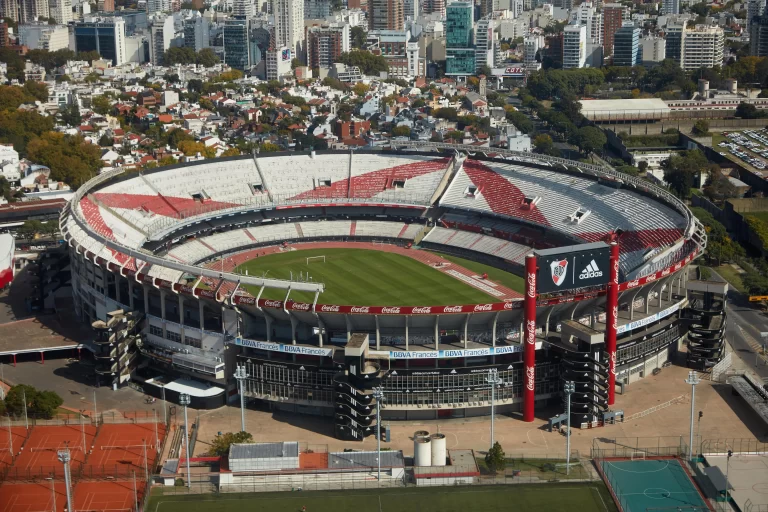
652	486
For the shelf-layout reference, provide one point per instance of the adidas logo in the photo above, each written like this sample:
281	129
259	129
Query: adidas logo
591	271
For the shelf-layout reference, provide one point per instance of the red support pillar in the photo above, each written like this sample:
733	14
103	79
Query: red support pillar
78	355
612	314
529	350
14	360
42	357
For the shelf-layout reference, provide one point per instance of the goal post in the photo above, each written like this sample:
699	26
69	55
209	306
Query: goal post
638	456
315	258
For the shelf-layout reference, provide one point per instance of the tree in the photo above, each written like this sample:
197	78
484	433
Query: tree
178	135
495	459
229	76
192	148
628	169
101	104
230	152
17	396
368	63
358	36
643	166
360	88
45	403
50	228
207	58
106	141
37	90
718	187
179	55
401	131
71	115
195	85
701	127
679	171
30	229
590	139
268	147
748	111
69	157
220	444
543	143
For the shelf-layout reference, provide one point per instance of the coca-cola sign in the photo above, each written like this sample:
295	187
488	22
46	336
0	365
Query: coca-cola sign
421	310
530	332
273	304
531	288
483	307
612	365
390	311
615	317
530	378
360	309
301	306
330	308
453	309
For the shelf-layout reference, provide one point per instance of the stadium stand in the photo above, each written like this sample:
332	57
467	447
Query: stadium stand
478	242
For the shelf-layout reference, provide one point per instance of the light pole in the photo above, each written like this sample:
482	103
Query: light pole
165	407
493	380
241	375
64	458
568	388
10	436
378	394
135	494
26	419
693	380
82	430
53	492
185	400
727	466
698	425
95	411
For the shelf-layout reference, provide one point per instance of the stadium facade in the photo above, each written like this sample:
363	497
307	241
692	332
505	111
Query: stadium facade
165	243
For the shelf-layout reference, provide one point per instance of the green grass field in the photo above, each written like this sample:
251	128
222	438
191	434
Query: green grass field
502	277
763	216
591	497
368	278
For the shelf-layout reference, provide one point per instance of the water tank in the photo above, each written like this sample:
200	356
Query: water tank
703	87
439	453
422	451
732	85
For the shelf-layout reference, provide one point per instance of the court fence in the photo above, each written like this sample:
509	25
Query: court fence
631	447
520	469
738	446
74	418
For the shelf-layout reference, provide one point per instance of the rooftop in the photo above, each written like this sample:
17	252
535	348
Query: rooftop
263	450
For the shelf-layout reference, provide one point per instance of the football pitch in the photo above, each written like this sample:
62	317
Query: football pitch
366	278
589	497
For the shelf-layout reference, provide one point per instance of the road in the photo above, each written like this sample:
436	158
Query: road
743	331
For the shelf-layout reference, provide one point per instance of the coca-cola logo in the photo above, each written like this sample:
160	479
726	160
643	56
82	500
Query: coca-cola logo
484	307
327	308
452	309
632	284
421	310
359	309
677	267
530	378
509	305
650	278
615	317
273	303
665	272
530	332
247	300
615	276
531	288
613	363
301	306
390	311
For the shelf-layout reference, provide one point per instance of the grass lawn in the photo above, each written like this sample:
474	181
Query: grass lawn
502	277
591	497
763	216
366	278
729	274
545	469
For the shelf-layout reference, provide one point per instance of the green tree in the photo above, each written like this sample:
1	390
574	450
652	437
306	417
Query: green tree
718	187
628	169
401	131
495	459
11	97
101	104
590	139
30	229
701	127
221	443
179	55
207	57
748	111
70	115
37	90
543	143
70	158
45	403
16	397
679	171
358	36
643	166
178	135
368	63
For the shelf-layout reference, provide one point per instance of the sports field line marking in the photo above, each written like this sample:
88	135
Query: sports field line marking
379	496
200	499
595	489
638	472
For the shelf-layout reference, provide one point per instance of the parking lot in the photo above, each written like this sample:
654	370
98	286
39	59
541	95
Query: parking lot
746	146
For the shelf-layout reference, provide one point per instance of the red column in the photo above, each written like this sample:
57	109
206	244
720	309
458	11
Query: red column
611	317
529	351
14	359
42	357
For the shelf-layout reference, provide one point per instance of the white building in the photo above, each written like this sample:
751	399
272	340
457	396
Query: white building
702	47
60	11
417	66
42	36
197	32
9	163
654	49
574	46
517	8
670	7
531	46
161	34
485	48
289	25
278	63
586	14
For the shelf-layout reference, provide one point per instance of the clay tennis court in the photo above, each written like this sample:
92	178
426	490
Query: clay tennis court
14	439
114	496
39	458
37	497
125	445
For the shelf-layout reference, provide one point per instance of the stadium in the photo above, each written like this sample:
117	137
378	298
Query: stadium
326	274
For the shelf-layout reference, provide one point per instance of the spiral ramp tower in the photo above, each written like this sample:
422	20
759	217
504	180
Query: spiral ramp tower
584	363
706	319
355	414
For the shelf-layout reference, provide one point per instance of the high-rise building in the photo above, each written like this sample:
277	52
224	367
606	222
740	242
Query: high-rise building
488	7
106	5
613	18
289	26
485	46
60	11
42	36
240	52
586	14
574	46
755	8
626	46
29	10
10	9
242	9
325	44
278	63
517	7
197	32
703	47
433	6
653	49
4	36
674	39
531	46
317	9
758	37
410	9
386	15
161	34
459	47
670	7
393	46
104	35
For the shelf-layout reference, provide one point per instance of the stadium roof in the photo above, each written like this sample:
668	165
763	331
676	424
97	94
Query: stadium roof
263	450
645	107
352	460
